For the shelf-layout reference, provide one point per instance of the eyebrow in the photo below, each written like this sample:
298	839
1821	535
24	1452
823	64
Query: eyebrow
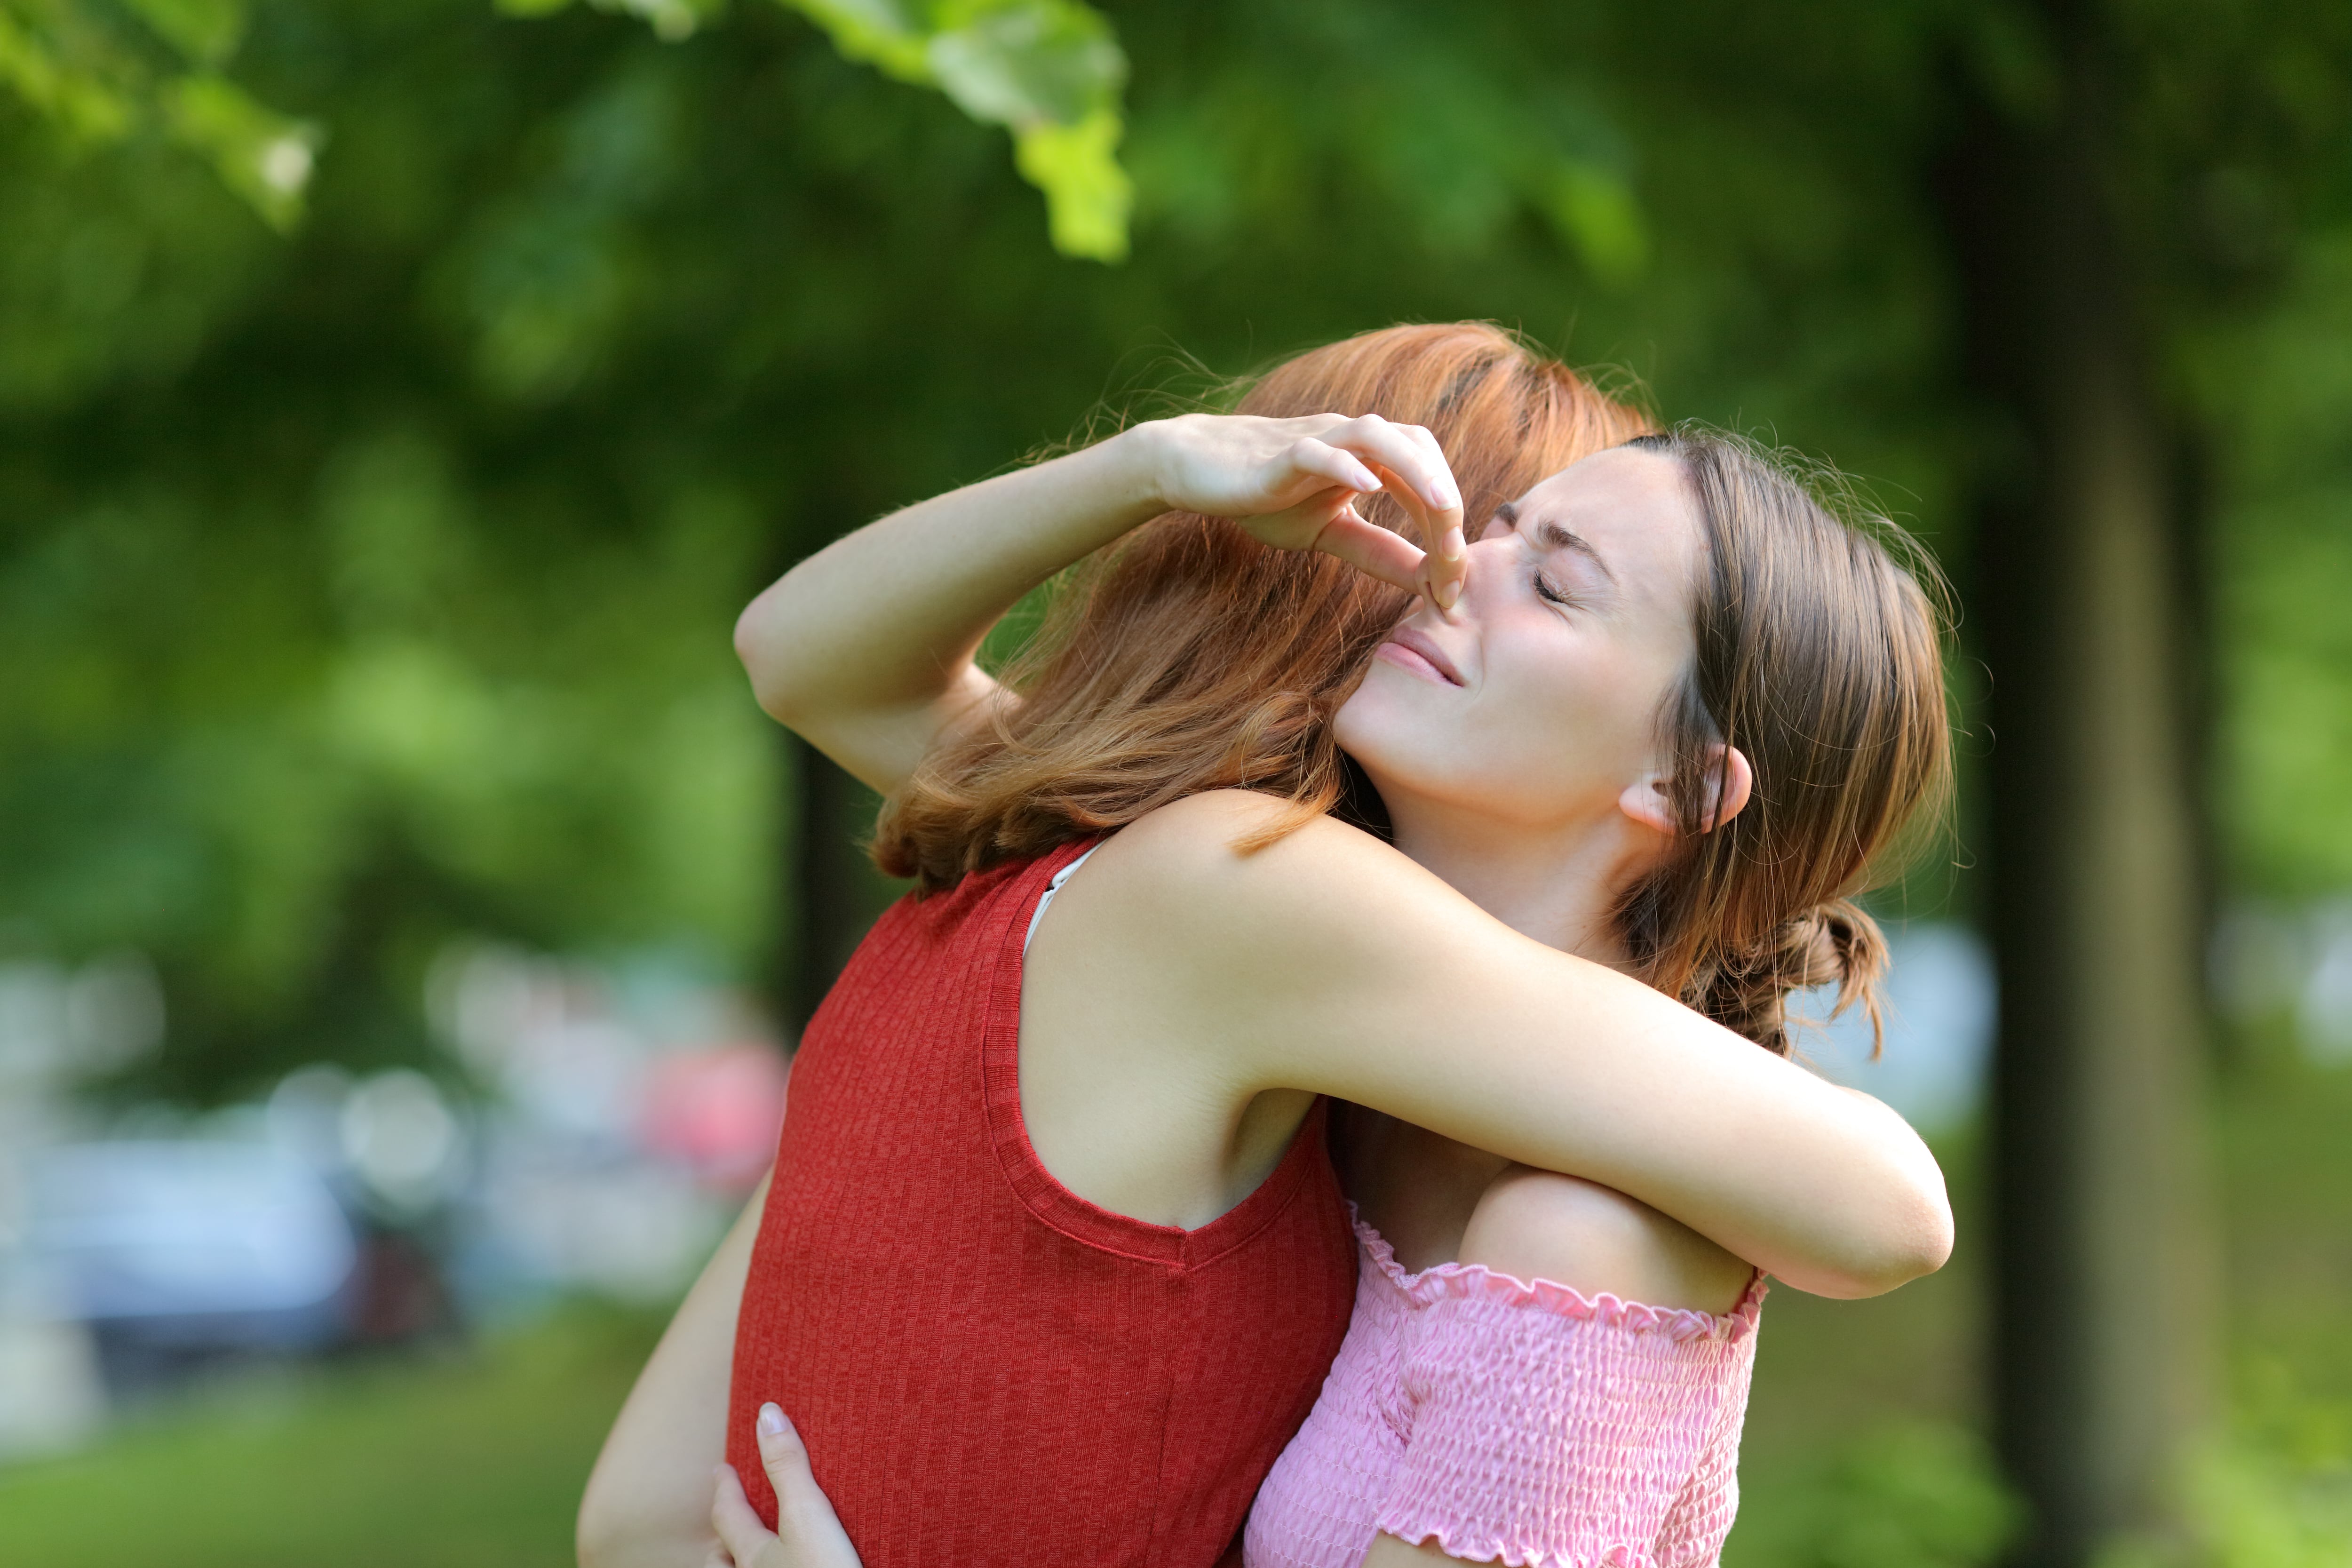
1550	535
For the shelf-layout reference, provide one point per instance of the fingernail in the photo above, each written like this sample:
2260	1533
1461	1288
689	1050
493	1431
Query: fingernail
1444	497
772	1421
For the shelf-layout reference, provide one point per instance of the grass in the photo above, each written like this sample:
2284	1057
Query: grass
469	1460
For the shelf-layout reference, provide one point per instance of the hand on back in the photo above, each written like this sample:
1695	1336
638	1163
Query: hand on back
808	1534
1293	484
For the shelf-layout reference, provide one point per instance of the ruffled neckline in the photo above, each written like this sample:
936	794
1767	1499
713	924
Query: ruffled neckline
1475	1281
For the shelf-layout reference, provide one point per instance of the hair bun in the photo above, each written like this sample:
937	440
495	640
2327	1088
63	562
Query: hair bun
1832	943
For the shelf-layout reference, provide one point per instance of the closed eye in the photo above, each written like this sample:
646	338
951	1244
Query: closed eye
1549	594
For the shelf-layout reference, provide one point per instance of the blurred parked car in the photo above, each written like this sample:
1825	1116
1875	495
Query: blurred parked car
176	1249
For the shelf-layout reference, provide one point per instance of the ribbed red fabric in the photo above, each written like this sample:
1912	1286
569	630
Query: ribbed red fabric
986	1367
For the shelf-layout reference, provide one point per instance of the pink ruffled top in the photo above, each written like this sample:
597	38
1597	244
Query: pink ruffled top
1514	1422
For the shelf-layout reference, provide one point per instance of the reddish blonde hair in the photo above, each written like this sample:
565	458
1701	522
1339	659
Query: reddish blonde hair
1190	657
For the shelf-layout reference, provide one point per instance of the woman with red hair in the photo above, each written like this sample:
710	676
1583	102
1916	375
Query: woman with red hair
1512	850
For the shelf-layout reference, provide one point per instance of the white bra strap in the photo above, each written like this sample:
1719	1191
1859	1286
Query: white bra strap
1052	887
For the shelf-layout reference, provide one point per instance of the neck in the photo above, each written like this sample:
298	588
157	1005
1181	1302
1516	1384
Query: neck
1557	884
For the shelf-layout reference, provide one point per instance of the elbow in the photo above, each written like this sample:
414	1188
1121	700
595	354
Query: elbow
604	1536
1924	1247
1934	1233
755	647
616	1528
596	1540
1909	1237
1903	1227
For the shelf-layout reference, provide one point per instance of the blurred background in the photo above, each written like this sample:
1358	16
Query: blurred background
405	914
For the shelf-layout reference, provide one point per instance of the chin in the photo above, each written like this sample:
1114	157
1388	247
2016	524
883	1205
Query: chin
1357	727
1395	746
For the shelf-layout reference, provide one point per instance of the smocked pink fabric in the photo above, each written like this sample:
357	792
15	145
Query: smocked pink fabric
1515	1423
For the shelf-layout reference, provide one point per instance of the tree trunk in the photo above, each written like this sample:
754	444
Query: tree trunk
2100	1352
832	893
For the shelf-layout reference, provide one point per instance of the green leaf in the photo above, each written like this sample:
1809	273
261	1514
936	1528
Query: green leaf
205	31
1087	195
671	20
1050	71
1027	62
883	34
77	69
260	154
77	101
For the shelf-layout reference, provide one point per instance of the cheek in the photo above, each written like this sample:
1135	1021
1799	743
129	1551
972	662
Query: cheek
1579	713
1554	726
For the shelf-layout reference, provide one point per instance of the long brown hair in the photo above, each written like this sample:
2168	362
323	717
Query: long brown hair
1190	657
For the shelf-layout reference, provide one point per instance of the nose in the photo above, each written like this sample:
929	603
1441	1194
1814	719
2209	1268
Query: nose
1487	572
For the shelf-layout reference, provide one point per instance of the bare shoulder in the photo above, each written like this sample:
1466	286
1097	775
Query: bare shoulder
1195	853
1537	1224
1187	914
1210	826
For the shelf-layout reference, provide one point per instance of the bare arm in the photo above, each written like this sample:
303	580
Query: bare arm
1330	962
866	648
1388	1551
648	1500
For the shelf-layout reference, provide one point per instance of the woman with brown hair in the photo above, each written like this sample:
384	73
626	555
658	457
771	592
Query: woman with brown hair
1053	1263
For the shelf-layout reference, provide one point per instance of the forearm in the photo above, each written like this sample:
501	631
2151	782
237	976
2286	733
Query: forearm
888	618
867	647
1329	962
1846	1200
1826	1189
647	1503
1595	1077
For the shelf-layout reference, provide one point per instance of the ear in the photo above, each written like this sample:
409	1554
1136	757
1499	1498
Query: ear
1648	800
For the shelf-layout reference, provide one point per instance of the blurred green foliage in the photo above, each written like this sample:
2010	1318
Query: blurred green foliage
368	584
2277	377
1048	70
2274	1487
1923	1494
104	74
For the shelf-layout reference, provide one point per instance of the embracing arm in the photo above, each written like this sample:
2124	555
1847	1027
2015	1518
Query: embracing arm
1329	961
867	647
648	1500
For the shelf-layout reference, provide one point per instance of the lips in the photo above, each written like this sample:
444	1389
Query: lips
1414	650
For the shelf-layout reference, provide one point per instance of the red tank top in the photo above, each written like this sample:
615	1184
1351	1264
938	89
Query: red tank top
988	1368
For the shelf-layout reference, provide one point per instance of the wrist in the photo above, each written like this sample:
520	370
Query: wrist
1136	461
